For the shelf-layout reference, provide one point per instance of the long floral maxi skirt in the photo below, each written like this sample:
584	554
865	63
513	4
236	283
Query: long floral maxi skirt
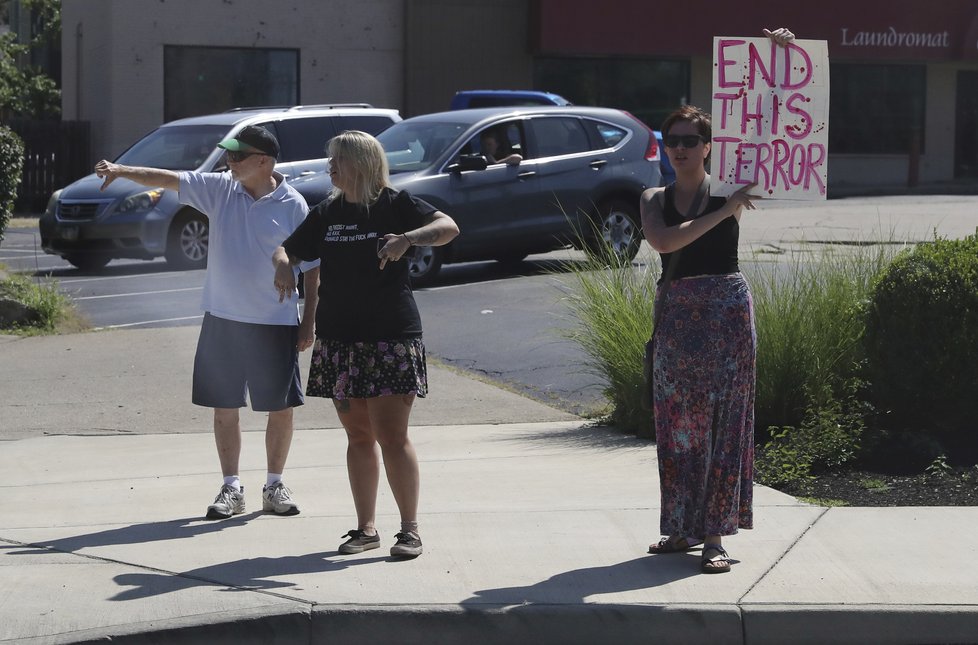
704	372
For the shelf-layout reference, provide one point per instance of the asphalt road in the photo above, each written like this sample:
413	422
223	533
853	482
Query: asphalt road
501	324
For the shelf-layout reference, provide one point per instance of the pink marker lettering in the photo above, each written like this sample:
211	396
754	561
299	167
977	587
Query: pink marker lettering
723	62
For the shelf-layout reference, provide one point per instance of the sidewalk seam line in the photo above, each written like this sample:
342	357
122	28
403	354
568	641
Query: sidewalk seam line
780	558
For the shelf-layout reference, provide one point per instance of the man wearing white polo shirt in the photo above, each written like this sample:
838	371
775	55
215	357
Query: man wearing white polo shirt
249	341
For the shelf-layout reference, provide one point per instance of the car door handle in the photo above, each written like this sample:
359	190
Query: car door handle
527	174
307	172
597	163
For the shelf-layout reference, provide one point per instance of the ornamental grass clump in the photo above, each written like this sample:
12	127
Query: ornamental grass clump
611	302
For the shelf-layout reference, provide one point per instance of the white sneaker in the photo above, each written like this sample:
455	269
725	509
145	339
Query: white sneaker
227	503
277	498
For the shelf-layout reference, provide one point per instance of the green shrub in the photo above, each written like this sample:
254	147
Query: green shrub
45	302
829	438
781	463
922	343
11	169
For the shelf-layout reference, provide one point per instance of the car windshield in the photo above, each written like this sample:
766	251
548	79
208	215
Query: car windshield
183	147
415	146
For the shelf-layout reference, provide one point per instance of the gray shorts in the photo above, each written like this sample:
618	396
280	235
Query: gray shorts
236	359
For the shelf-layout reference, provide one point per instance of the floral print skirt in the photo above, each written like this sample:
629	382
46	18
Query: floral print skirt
704	373
365	369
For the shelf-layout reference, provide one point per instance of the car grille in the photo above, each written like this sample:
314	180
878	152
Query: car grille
77	211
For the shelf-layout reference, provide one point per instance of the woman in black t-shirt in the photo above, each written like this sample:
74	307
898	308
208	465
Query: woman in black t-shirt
704	349
369	357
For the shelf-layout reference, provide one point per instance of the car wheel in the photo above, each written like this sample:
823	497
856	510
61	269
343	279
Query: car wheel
87	261
425	264
186	246
619	229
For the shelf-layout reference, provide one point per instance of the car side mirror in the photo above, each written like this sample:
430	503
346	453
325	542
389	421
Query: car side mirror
468	162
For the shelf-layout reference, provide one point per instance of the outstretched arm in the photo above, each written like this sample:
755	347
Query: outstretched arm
149	177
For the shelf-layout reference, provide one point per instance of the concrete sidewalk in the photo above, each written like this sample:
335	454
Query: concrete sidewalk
535	526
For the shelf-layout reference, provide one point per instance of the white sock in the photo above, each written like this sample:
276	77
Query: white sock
233	482
272	478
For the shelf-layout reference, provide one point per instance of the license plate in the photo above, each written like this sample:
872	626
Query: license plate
69	233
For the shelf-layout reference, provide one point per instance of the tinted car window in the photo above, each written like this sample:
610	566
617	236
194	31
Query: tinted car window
609	136
509	135
302	139
559	136
415	146
175	148
370	124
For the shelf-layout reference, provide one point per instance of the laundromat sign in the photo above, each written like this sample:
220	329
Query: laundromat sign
770	118
892	38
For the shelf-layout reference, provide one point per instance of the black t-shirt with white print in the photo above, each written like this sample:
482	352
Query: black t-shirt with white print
357	300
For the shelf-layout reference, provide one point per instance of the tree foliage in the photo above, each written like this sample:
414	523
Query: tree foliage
25	90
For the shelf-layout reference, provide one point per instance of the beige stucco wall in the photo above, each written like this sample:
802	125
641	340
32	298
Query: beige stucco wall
348	51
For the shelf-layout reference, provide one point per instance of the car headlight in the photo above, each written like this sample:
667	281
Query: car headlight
141	201
52	206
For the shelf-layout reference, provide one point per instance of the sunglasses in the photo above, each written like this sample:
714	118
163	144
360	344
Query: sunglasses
237	155
686	140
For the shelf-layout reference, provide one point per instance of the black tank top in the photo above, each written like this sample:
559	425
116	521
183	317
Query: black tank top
713	253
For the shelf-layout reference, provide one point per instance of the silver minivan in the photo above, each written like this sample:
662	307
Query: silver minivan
89	227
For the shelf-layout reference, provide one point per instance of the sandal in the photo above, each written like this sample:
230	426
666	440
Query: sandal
673	545
717	563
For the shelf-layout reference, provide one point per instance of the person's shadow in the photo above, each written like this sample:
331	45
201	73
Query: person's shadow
246	574
574	587
239	575
178	529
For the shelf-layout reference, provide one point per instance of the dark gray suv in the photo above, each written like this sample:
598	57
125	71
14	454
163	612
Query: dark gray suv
89	227
570	169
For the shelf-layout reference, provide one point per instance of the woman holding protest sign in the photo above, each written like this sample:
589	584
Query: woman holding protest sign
704	348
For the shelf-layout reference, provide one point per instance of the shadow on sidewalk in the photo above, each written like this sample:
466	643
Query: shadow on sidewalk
140	533
577	586
247	574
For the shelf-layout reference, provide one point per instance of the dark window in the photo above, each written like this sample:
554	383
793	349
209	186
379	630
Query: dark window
876	109
509	140
301	139
503	101
609	135
371	124
181	147
648	88
559	136
205	80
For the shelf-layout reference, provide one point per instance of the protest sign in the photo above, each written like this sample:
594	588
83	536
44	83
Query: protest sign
770	117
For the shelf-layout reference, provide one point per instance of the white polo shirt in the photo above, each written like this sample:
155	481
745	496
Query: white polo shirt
239	283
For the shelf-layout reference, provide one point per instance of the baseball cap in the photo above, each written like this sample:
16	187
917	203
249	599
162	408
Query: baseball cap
252	138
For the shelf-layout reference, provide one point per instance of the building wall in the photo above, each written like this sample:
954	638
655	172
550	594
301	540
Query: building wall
349	51
454	45
411	55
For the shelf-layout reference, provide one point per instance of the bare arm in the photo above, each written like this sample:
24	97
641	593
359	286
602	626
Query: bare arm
310	287
149	177
440	229
667	239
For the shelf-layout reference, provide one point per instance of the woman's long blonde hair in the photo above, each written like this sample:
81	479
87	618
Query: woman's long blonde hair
365	154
